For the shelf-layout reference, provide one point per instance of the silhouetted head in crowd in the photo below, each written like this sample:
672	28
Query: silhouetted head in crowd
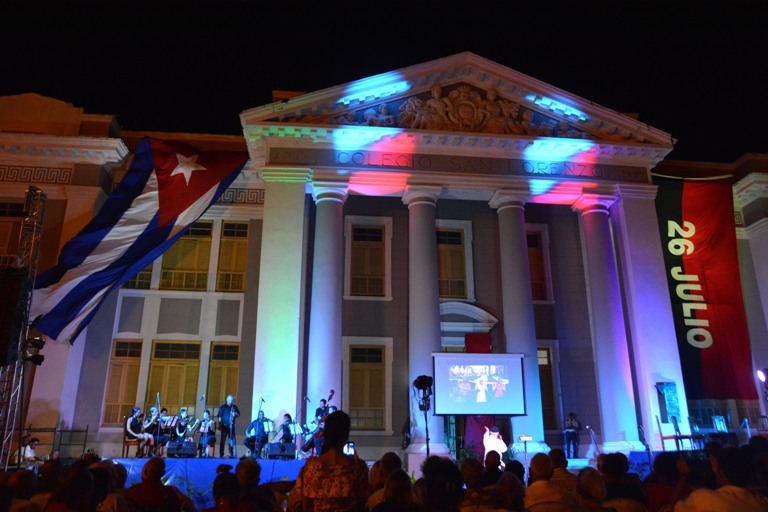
540	468
444	484
613	467
735	466
336	432
472	472
590	485
102	485
516	468
248	472
153	469
390	461
559	460
398	489
226	489
665	468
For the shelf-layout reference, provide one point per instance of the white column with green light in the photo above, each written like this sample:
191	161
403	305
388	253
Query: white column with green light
277	368
424	336
517	306
609	339
324	367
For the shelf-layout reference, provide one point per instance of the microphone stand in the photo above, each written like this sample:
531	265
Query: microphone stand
232	442
647	447
157	427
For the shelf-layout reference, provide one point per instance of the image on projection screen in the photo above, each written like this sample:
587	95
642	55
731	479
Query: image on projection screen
478	383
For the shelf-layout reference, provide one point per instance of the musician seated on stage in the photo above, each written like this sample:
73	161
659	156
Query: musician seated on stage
185	427
256	435
207	441
153	427
285	429
134	429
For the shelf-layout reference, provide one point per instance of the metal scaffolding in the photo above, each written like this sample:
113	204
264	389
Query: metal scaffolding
12	375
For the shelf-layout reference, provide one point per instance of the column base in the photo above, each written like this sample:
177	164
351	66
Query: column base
524	451
624	447
416	453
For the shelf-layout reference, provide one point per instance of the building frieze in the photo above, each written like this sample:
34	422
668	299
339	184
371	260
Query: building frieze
262	137
47	150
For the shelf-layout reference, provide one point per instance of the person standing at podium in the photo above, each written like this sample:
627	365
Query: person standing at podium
572	429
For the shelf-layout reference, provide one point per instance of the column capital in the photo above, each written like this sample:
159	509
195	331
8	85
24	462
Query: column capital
417	194
273	173
330	191
593	203
751	188
509	198
637	190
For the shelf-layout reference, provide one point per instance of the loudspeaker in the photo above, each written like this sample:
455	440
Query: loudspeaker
16	285
180	449
281	450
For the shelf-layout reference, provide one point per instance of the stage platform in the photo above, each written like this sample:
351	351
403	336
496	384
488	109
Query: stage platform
195	476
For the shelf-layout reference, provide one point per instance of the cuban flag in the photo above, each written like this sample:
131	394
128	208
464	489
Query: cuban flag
168	187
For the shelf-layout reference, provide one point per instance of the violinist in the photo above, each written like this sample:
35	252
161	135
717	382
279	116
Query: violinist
134	429
152	427
256	435
185	427
285	429
207	442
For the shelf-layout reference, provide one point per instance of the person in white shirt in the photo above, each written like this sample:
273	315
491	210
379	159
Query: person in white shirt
29	450
492	441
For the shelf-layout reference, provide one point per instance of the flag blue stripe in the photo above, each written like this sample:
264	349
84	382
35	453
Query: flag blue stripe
147	247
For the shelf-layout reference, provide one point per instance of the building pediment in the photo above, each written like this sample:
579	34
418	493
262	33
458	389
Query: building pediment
463	95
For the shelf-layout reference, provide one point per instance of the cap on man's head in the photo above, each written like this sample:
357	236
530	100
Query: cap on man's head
495	429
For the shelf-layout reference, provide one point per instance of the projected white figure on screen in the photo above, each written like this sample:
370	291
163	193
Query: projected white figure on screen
481	385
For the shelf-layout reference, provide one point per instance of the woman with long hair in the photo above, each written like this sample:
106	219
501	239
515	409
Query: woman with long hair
332	481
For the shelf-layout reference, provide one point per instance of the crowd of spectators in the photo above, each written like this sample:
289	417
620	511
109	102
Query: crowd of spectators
718	478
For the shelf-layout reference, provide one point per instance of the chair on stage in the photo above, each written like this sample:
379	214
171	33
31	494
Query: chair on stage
665	437
127	441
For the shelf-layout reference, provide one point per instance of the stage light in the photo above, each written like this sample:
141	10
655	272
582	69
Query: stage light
36	359
423	383
37	342
762	375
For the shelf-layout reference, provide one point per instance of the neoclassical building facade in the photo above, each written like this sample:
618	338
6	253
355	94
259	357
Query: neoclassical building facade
379	222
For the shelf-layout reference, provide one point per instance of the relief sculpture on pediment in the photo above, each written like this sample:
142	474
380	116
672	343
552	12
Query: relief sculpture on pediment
463	108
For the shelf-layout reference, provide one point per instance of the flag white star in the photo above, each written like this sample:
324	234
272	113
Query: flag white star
187	166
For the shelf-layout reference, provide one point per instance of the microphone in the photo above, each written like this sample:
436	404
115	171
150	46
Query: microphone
202	398
307	399
262	399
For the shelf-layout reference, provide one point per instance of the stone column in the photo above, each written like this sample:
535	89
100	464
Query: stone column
649	310
324	368
609	339
423	317
280	315
751	197
517	307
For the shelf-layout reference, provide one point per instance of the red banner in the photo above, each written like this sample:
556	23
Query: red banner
698	236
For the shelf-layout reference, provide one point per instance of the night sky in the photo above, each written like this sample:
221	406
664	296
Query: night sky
693	69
